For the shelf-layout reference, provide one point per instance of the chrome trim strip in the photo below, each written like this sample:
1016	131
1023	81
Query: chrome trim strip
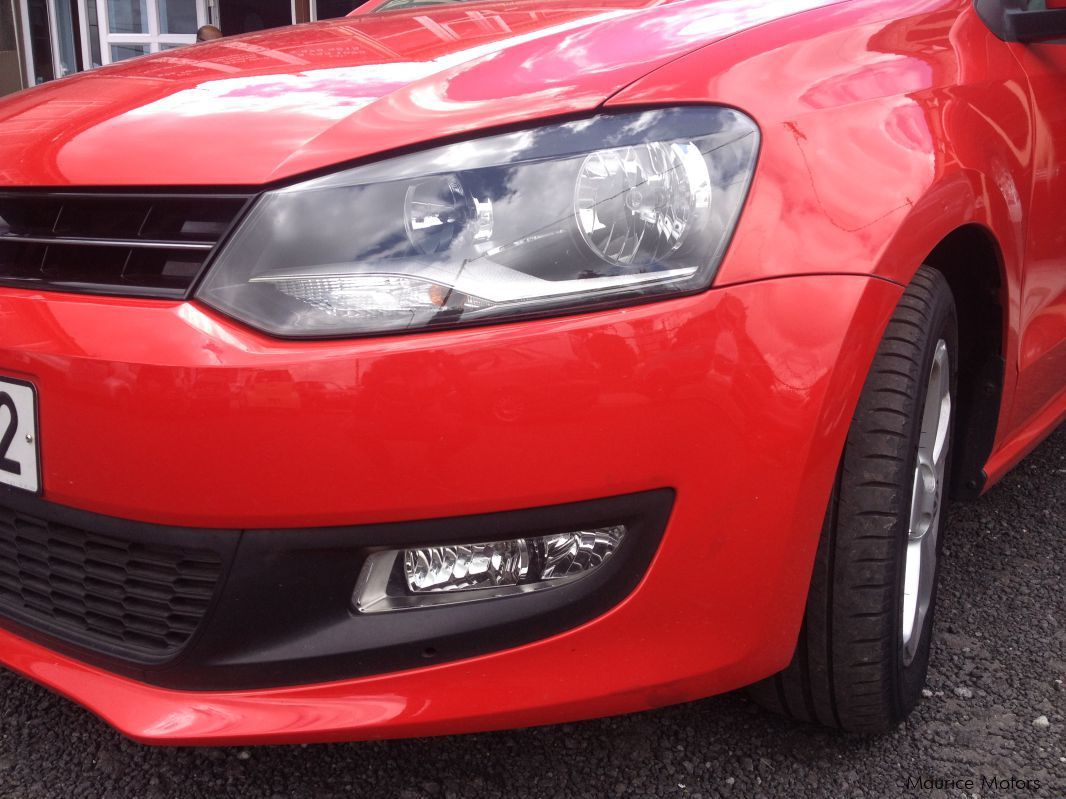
196	246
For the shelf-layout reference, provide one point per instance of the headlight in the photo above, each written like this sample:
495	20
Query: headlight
566	217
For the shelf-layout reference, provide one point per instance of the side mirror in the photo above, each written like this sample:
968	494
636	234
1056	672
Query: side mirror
1016	21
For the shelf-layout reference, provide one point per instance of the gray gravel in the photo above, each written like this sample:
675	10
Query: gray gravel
996	708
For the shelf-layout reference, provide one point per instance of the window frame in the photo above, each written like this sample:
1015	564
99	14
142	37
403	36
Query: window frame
153	39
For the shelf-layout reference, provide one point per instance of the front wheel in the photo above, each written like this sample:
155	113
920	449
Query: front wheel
863	650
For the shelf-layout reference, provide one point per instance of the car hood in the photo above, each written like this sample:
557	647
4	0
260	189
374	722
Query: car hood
253	109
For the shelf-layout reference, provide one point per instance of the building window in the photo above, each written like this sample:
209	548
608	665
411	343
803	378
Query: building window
328	9
91	35
66	36
65	19
244	16
130	28
39	37
12	67
178	16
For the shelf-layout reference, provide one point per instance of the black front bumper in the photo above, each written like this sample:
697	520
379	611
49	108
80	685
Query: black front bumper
203	609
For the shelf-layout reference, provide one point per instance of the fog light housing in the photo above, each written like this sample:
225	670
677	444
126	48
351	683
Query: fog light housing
418	577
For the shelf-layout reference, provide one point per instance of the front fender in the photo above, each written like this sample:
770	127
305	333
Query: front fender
885	126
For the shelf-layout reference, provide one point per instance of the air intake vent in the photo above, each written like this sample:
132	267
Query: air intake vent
136	600
125	244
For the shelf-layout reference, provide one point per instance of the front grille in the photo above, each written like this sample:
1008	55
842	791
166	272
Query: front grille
130	599
124	244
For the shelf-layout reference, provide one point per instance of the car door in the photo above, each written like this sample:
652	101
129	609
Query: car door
1042	315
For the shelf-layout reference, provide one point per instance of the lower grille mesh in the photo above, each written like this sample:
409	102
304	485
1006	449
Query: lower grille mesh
128	598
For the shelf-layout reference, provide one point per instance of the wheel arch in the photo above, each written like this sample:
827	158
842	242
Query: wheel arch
971	261
967	226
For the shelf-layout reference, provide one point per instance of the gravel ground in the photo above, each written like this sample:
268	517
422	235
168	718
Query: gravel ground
998	667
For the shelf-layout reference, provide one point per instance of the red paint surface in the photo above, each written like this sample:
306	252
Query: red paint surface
547	411
265	106
885	126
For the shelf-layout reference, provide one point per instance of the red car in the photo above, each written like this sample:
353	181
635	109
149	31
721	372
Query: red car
467	365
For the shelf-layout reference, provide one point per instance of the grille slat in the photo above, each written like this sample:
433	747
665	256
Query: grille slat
136	599
128	244
122	244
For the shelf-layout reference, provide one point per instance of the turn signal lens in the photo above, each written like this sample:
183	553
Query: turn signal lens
438	575
369	297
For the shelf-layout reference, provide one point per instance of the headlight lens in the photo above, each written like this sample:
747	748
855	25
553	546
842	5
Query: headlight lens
634	205
567	217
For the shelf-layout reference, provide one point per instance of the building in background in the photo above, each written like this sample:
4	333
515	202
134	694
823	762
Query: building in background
12	70
41	40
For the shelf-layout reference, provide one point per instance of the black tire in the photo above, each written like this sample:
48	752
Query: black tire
849	670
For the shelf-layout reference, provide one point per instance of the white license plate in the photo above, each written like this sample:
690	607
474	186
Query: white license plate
19	459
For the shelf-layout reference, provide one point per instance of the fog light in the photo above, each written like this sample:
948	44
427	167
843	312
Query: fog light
466	567
400	579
